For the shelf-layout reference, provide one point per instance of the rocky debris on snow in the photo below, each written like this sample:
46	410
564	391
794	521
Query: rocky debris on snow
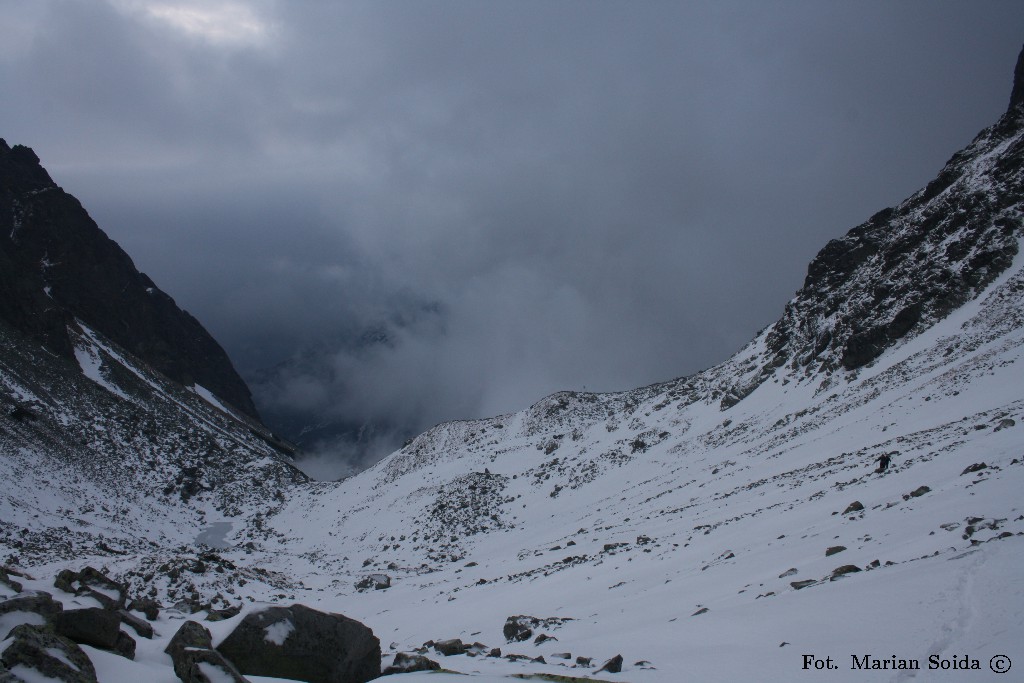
702	610
789	572
832	550
140	626
797	585
1005	423
583	661
543	638
839	572
612	666
50	655
916	493
374	581
303	644
521	627
451	647
407	663
976	467
94	583
148	606
855	506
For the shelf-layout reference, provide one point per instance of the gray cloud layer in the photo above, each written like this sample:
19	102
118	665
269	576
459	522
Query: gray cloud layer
529	196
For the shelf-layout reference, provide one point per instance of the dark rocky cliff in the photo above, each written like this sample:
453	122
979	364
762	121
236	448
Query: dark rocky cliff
56	266
909	266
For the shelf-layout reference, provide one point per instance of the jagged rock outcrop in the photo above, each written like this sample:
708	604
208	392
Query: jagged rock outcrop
909	266
57	265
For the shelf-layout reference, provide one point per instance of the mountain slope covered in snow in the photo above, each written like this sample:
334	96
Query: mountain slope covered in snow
729	525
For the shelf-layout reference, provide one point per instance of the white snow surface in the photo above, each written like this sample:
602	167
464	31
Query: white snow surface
560	511
278	632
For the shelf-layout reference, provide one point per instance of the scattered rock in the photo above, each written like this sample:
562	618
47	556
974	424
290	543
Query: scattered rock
53	656
797	585
976	467
584	661
702	610
844	570
916	493
832	550
222	614
451	647
407	663
521	627
612	666
374	581
789	572
562	655
543	637
148	606
855	506
303	644
94	583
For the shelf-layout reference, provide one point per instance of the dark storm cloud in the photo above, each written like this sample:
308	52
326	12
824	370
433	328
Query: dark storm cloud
526	196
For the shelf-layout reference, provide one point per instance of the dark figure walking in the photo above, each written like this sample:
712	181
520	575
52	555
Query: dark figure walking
883	462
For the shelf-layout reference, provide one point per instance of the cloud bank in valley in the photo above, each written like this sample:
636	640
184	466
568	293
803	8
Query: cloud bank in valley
448	210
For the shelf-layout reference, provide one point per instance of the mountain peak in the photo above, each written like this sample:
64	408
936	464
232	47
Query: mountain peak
58	267
1017	95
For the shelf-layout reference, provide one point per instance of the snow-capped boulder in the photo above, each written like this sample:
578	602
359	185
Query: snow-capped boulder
303	644
50	656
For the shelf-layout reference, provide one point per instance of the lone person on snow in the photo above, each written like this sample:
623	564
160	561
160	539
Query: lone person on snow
883	462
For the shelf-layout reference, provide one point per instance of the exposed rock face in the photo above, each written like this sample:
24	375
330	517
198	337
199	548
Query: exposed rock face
1017	95
911	265
56	265
305	645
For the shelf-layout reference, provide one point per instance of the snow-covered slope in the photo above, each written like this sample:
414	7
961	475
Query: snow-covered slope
724	526
670	522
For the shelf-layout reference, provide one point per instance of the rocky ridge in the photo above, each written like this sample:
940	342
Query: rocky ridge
57	267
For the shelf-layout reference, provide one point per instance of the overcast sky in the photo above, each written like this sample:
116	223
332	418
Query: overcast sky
531	196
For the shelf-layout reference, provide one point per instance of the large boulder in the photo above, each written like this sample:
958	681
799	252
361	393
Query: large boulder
303	644
90	626
195	660
51	656
190	636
